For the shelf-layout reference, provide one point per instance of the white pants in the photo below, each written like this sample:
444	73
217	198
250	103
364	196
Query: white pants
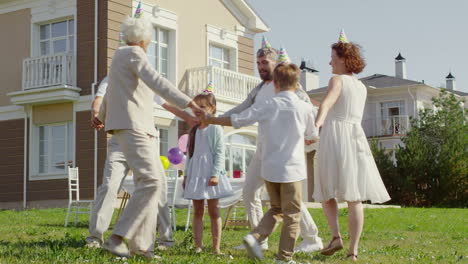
115	170
253	204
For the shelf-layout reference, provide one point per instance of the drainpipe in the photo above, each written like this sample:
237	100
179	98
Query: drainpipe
25	155
93	88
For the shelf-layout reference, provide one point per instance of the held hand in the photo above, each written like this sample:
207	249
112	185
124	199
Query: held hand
97	124
192	121
213	181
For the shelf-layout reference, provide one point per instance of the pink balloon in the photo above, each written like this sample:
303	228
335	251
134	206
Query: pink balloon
183	141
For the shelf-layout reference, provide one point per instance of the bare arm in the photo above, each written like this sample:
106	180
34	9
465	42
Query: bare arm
315	102
192	121
223	121
95	106
333	92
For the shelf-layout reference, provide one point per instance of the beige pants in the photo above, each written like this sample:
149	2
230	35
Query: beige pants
285	199
138	221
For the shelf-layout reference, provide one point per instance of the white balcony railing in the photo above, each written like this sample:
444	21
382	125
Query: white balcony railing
228	85
50	70
394	126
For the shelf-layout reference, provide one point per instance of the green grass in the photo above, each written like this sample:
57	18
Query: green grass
408	235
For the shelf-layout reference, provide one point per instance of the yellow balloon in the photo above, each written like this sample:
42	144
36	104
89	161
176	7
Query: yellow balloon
165	162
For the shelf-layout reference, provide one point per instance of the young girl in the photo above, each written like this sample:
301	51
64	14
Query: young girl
205	173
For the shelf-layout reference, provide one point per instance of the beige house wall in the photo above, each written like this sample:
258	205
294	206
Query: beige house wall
16	28
192	18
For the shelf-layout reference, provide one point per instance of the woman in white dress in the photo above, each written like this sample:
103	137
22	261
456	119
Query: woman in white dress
346	167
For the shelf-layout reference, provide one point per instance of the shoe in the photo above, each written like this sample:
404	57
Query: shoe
263	245
351	256
93	242
162	247
253	248
308	246
198	250
119	249
334	245
149	255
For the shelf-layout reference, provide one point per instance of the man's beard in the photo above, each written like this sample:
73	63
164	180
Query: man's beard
266	76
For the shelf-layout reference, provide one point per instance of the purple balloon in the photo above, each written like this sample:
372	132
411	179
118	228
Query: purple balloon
175	155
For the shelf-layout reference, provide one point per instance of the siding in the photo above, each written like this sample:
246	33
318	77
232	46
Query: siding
11	165
246	55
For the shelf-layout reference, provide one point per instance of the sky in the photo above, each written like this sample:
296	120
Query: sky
431	34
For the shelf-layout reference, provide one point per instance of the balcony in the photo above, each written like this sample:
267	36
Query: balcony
47	79
230	86
397	125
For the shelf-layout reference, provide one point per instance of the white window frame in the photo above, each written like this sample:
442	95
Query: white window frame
52	39
222	61
222	37
166	20
167	129
160	46
244	147
34	140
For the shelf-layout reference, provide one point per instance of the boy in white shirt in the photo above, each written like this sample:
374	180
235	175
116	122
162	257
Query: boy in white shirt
285	121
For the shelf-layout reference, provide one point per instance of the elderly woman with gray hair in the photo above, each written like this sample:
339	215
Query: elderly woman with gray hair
127	113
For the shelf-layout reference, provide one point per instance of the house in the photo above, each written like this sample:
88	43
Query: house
57	53
391	101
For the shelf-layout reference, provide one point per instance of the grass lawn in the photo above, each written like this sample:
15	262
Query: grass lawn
407	235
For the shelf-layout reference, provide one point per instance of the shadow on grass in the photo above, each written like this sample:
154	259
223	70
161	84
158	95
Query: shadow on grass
55	225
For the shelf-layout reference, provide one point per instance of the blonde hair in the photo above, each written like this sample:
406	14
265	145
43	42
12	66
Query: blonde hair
286	75
135	30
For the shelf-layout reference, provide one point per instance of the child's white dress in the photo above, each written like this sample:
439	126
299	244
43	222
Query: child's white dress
208	160
346	169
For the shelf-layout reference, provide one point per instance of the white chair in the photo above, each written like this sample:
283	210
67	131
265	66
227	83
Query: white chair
172	181
74	196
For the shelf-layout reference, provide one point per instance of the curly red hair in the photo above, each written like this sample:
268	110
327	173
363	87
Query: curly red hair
352	55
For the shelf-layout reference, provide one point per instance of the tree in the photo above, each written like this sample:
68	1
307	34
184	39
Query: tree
434	158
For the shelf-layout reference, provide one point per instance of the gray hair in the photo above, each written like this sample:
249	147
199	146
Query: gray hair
135	30
270	53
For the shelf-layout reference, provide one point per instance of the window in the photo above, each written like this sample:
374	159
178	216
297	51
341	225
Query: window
163	141
57	37
55	148
394	118
219	57
240	149
158	50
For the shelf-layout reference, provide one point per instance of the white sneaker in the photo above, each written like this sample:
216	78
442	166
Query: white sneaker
263	245
120	249
93	242
253	248
308	246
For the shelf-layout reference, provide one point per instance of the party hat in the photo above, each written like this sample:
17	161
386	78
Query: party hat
138	11
283	56
265	43
209	88
343	37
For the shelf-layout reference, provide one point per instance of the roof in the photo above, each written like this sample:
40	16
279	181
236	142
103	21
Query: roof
450	76
378	81
459	92
399	57
246	15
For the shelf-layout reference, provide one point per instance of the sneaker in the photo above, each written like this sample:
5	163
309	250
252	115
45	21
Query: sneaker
93	242
119	249
308	246
263	245
253	248
149	255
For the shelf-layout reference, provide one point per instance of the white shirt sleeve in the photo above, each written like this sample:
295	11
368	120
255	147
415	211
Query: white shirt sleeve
159	100
102	88
257	112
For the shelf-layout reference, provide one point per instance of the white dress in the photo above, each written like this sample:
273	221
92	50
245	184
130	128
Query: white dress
346	169
201	169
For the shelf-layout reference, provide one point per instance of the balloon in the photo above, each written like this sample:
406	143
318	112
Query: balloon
183	141
181	165
175	155
165	162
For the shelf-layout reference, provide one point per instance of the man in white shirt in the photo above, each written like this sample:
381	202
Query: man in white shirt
284	121
266	61
115	171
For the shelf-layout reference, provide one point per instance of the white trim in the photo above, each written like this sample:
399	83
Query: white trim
242	31
11	112
83	103
223	38
246	15
56	94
